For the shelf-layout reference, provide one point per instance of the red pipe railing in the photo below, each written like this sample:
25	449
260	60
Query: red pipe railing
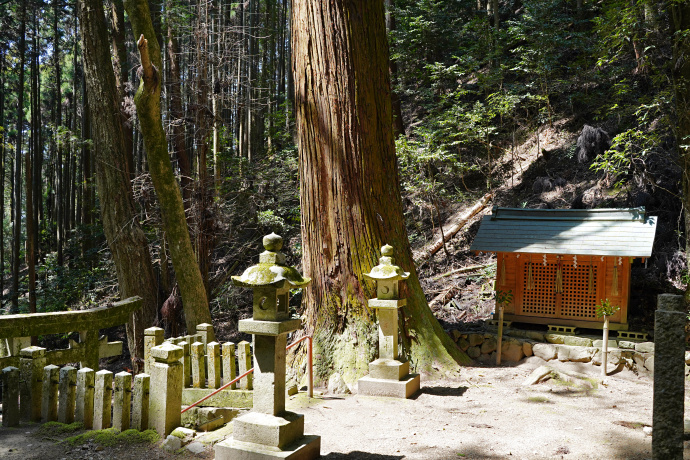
235	380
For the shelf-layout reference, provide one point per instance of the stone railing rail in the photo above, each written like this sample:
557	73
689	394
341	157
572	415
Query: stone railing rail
16	330
99	400
207	365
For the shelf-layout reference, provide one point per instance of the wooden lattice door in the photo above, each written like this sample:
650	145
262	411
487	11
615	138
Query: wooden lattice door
540	300
578	299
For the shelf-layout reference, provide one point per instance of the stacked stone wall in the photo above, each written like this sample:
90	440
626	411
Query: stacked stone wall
519	344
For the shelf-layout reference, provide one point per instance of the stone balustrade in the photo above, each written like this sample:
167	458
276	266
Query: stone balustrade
98	400
207	365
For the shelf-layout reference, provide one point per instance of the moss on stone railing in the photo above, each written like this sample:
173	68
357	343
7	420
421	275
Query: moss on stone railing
15	331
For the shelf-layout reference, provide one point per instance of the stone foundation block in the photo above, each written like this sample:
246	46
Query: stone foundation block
581	355
575	341
269	430
488	345
463	344
474	352
241	399
600	344
555	338
625	344
391	388
545	351
527	349
645	347
512	350
563	353
390	369
306	448
475	339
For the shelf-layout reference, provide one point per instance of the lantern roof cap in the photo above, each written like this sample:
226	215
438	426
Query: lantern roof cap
386	270
271	271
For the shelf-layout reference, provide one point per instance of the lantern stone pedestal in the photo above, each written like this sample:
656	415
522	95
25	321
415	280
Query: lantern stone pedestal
388	376
269	431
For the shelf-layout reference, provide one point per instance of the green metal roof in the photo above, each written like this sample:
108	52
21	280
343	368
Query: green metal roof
603	232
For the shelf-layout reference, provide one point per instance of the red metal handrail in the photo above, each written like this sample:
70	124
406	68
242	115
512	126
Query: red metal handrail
235	380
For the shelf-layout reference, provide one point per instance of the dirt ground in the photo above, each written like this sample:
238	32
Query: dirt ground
482	413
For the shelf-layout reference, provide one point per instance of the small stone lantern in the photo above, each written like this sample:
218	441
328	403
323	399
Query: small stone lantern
388	376
269	431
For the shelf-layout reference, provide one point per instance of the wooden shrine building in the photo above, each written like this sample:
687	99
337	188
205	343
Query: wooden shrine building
560	263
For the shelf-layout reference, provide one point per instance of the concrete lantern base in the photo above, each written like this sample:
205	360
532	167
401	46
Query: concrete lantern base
263	436
404	388
306	448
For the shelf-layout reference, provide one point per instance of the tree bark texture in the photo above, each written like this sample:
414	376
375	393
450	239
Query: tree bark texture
350	194
680	26
125	237
148	102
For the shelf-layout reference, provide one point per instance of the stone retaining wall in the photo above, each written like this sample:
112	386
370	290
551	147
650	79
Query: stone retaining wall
518	344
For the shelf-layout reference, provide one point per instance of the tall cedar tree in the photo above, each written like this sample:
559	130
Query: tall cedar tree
680	23
17	185
148	102
125	237
349	188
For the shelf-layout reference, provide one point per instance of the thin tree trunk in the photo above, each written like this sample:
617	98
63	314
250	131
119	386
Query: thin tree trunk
147	99
17	186
398	125
59	185
28	171
117	23
349	189
125	237
3	143
177	116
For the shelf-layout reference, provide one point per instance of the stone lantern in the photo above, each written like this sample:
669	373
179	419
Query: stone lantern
388	376
269	431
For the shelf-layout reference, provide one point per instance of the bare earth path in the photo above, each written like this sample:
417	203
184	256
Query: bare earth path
488	414
483	413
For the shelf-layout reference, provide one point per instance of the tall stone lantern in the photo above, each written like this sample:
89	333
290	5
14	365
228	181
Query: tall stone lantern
269	431
388	376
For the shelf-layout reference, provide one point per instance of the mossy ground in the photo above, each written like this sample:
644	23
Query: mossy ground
111	437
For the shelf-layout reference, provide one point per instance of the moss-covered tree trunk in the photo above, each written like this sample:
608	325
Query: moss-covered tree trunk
148	102
680	24
125	237
350	193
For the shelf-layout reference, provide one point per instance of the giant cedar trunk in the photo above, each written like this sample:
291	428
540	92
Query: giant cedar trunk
148	102
125	237
680	23
349	189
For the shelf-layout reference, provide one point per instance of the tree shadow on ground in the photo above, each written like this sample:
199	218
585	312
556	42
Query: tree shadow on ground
357	455
441	391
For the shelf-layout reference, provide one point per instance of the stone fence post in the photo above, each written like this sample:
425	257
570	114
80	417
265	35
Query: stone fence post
140	406
153	336
10	396
166	380
123	400
31	362
103	400
669	378
49	403
68	386
85	391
